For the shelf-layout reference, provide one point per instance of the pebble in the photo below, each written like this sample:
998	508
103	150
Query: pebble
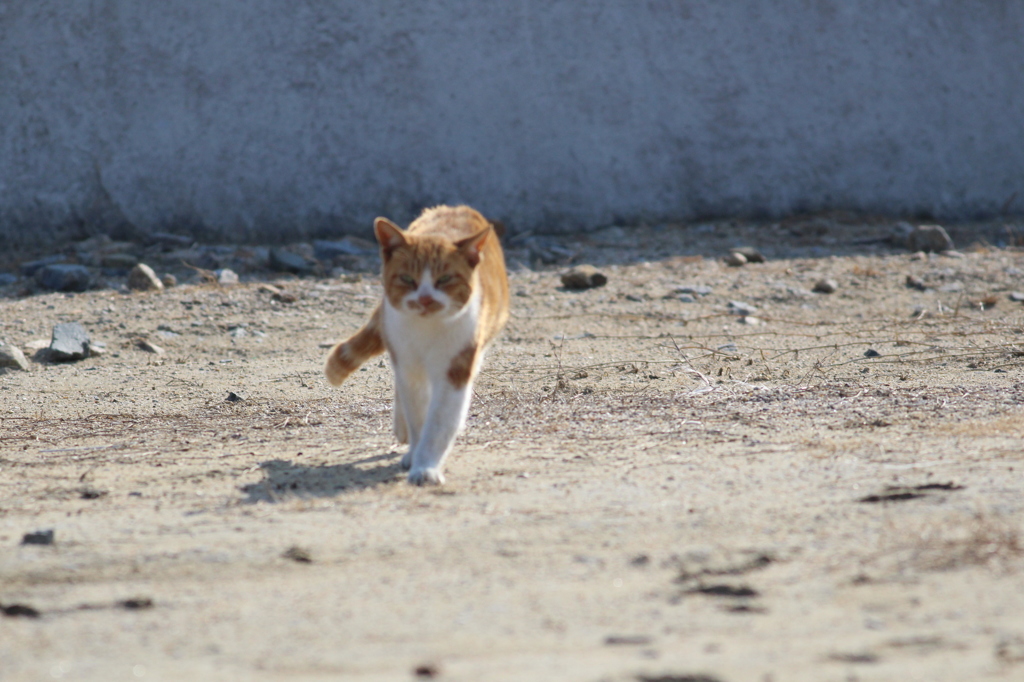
149	346
287	261
234	397
825	286
751	254
735	260
328	250
1017	296
751	320
583	277
169	281
872	353
142	278
916	283
69	342
686	298
64	277
226	277
929	238
741	308
12	357
696	290
39	537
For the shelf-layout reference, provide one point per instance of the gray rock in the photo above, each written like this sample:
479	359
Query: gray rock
1017	297
64	277
695	290
751	254
929	238
735	260
142	278
69	342
32	267
741	308
286	261
328	250
12	357
118	261
583	277
169	281
149	346
825	286
226	277
39	537
686	298
914	282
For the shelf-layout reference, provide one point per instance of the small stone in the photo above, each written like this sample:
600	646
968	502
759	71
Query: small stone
97	348
931	238
142	278
1017	297
825	286
12	357
686	298
751	320
226	277
33	266
741	308
952	254
19	610
298	554
751	254
919	255
696	290
583	277
69	342
39	537
286	261
64	277
169	281
37	345
329	250
149	346
136	603
872	353
735	260
234	397
916	283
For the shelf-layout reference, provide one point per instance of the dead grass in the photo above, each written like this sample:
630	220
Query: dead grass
980	540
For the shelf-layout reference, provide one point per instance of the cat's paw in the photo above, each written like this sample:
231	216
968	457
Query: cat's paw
426	476
406	462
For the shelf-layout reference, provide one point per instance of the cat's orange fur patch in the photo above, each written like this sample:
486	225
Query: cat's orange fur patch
461	369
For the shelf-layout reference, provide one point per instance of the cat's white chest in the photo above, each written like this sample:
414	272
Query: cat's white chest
427	344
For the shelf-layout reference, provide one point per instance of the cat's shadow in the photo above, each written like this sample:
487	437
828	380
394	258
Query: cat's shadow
284	480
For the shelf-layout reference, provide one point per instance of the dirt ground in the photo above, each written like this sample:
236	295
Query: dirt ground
649	487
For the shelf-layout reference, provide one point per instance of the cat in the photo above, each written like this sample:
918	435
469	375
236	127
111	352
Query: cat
445	300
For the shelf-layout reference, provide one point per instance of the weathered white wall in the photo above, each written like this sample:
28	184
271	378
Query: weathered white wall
262	119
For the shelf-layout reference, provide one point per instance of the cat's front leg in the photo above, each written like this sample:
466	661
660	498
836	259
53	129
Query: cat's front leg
411	399
445	416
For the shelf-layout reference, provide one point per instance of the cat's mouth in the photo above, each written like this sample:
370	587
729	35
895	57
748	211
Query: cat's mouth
425	305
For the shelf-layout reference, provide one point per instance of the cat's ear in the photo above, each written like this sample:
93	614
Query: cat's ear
389	235
470	247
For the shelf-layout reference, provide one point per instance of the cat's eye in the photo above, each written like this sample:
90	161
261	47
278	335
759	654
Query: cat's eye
407	279
443	279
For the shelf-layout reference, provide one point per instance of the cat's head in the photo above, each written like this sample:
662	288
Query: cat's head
429	274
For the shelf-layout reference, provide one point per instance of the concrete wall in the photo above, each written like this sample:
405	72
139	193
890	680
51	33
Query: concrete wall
263	119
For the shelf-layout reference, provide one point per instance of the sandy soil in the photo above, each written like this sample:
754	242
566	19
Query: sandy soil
648	488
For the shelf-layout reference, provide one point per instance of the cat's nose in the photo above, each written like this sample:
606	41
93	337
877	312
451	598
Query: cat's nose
426	300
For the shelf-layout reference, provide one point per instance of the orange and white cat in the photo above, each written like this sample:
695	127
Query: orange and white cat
445	300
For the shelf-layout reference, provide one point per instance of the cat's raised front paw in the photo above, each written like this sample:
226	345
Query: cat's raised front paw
426	476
